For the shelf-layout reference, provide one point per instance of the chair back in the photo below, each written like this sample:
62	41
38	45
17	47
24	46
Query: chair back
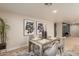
52	51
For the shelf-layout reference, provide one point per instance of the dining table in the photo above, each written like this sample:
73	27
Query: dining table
41	43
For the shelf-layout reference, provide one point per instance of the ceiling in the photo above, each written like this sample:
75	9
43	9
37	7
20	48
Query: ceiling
67	12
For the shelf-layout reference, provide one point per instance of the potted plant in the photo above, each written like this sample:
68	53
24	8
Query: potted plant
3	36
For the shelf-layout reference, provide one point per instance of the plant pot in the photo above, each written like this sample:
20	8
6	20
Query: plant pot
2	46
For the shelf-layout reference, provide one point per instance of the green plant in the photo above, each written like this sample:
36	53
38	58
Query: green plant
3	29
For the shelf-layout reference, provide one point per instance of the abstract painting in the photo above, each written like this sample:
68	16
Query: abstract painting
29	27
40	27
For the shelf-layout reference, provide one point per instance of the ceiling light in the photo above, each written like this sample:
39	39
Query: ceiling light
54	11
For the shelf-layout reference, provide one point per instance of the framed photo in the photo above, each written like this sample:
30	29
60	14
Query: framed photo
29	27
39	27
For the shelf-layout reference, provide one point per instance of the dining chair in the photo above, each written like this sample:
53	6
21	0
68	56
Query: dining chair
52	51
61	46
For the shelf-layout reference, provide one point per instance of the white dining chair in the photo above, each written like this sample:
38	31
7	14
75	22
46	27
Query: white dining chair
52	51
61	46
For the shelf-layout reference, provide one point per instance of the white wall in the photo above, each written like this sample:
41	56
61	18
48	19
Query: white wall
74	30
15	38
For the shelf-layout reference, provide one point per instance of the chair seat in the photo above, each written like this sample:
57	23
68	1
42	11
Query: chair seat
51	51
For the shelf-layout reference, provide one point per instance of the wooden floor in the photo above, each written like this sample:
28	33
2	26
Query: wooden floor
72	43
15	52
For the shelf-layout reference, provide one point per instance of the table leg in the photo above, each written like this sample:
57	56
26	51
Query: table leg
41	50
29	46
33	47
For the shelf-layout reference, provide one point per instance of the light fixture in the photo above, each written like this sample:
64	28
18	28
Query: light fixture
54	11
48	4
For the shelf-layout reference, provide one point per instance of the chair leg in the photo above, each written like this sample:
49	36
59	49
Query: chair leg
60	50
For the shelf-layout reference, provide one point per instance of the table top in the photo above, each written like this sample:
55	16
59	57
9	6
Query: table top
42	41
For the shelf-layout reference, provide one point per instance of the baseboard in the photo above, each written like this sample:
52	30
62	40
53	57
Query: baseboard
16	48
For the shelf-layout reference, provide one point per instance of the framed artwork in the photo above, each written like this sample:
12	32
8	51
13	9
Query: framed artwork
39	27
29	27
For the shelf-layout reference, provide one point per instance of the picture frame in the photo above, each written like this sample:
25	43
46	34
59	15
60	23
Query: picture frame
29	27
39	27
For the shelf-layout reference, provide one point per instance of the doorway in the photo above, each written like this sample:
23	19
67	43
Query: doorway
65	30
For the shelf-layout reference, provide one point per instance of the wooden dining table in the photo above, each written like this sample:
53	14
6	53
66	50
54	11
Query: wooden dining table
41	43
